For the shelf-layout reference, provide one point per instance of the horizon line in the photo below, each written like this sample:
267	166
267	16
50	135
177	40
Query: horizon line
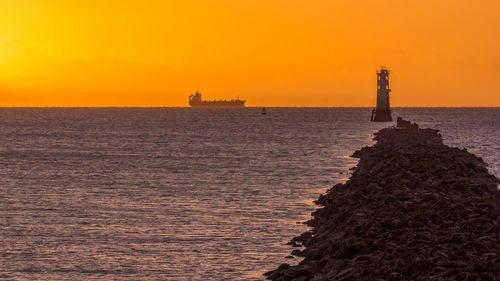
257	106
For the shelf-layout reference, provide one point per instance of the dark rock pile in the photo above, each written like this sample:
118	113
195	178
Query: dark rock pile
413	209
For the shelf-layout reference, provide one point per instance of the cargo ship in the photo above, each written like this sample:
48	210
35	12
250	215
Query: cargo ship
196	101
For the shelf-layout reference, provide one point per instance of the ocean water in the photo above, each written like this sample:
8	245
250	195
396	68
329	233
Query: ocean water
180	193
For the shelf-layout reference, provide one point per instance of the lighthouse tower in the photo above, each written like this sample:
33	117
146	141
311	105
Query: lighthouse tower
383	111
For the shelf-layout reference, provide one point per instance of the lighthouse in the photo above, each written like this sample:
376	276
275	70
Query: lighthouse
383	111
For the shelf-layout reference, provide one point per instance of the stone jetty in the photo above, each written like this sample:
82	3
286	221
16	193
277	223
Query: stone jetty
413	209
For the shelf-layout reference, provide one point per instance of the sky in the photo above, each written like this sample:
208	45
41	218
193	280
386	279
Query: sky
268	52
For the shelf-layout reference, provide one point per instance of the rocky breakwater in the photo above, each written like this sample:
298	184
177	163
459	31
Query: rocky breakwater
413	209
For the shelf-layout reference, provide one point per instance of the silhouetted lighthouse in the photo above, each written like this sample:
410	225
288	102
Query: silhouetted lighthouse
383	111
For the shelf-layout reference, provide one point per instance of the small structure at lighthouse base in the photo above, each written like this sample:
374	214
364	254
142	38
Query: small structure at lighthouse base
382	113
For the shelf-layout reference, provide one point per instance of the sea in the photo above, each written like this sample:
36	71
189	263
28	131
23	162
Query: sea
181	193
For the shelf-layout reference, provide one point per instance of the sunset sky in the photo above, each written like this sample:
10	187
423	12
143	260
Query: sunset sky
269	52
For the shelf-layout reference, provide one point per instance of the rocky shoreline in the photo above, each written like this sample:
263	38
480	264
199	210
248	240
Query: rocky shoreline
413	209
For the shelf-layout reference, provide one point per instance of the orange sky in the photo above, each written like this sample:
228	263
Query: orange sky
269	52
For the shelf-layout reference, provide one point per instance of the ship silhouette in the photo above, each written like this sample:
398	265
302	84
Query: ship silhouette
196	101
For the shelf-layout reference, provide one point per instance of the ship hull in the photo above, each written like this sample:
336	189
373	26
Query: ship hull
218	104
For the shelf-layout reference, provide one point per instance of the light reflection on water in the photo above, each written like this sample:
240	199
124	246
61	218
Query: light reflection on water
180	194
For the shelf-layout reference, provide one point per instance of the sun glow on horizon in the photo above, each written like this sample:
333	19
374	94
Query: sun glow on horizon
270	53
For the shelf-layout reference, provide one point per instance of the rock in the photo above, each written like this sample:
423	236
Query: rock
304	237
284	266
294	244
301	278
413	209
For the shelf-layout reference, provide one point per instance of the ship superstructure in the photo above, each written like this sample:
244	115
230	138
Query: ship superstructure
195	100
